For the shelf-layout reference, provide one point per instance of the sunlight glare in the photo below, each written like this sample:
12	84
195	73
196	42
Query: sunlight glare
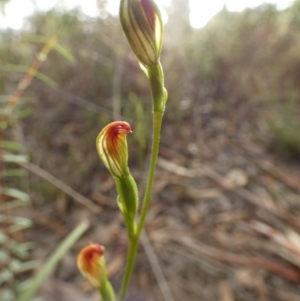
14	16
200	11
45	5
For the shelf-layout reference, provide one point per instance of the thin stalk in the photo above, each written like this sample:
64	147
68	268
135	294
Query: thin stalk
134	240
157	121
131	253
31	72
107	292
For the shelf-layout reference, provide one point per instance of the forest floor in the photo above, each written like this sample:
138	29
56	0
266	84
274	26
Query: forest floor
223	224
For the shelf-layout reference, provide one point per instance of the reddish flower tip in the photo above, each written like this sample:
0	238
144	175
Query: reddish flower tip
89	261
118	127
149	12
112	147
143	27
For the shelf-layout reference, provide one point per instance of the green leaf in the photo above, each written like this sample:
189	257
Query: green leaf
60	49
10	145
5	98
35	39
64	52
15	193
19	250
18	222
19	227
14	265
7	295
47	80
42	77
6	276
3	238
52	261
27	266
4	257
17	266
19	115
14	158
13	173
14	204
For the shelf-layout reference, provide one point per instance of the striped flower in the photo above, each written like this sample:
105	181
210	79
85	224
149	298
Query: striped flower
112	148
91	263
143	27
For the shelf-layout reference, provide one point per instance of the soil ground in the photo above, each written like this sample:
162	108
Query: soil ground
223	222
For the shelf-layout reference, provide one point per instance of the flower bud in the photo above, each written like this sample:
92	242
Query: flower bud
143	27
112	148
91	263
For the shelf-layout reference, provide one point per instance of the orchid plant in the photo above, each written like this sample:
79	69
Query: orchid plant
142	24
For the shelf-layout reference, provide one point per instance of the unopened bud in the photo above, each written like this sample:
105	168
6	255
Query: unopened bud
112	148
91	263
143	27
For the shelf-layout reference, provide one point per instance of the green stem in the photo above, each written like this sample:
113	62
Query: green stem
131	252
107	292
134	240
157	121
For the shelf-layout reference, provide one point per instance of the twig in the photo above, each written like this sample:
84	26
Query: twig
225	292
253	199
162	282
292	181
31	72
223	183
256	260
277	236
62	186
283	295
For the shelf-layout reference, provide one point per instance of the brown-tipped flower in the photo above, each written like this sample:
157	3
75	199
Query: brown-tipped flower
91	263
112	148
142	23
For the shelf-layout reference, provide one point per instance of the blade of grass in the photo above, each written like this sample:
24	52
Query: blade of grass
42	77
11	145
15	193
64	52
60	49
52	261
14	158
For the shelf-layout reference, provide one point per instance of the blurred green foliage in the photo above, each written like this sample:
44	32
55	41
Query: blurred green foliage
14	254
286	131
252	60
15	260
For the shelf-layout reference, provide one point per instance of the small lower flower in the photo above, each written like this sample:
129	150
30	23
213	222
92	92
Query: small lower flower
91	263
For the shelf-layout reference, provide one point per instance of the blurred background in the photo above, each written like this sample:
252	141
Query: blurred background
224	218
